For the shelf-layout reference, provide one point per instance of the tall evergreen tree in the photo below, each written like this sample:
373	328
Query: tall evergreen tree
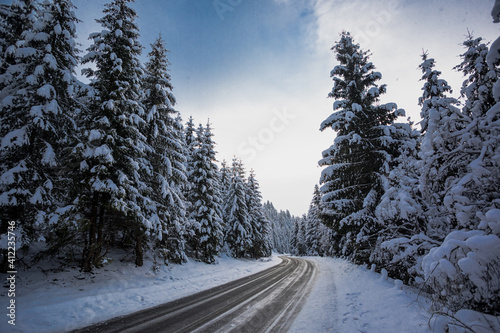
204	196
466	265
465	195
238	235
111	200
16	20
441	123
313	229
37	111
260	225
299	246
281	224
166	155
352	183
190	135
402	243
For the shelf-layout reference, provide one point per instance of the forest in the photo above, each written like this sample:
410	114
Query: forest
421	205
86	168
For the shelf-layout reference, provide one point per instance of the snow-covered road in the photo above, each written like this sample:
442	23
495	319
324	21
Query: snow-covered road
265	301
344	298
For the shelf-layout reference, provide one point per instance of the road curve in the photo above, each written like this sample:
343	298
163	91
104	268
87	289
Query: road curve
263	302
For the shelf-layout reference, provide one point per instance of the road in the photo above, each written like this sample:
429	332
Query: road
267	301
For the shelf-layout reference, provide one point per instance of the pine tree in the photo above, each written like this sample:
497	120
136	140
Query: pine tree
225	179
260	225
402	243
441	123
167	175
313	230
113	149
190	137
238	235
204	196
15	21
281	224
190	145
466	194
352	184
299	237
466	265
37	111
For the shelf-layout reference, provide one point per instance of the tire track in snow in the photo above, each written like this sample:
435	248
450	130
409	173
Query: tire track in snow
267	301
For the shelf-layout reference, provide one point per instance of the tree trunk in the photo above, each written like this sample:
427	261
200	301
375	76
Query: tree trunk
139	255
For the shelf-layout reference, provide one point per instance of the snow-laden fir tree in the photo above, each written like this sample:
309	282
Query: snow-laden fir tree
205	209
190	135
298	241
402	241
313	225
466	195
225	179
238	233
441	124
37	103
351	182
281	224
113	148
261	246
464	271
190	144
166	155
15	20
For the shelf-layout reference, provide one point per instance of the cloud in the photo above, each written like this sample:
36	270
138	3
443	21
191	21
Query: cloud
396	32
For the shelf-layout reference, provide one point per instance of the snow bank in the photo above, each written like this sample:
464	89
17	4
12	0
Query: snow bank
349	298
63	301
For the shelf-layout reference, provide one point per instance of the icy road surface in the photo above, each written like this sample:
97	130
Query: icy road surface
266	301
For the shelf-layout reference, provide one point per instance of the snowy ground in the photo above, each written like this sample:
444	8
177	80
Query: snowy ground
345	297
70	299
349	298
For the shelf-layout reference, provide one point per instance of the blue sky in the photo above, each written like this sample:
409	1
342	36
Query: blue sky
259	69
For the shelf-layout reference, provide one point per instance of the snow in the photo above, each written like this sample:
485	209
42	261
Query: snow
65	300
49	156
344	298
495	12
17	137
350	298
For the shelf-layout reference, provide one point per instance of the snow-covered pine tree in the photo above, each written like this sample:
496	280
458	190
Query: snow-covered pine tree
113	148
238	234
15	20
313	222
281	224
37	112
261	246
402	242
351	182
164	134
204	197
190	135
190	145
299	237
466	265
465	194
225	179
441	124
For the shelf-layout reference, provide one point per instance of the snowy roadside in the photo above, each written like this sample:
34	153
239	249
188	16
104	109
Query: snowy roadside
349	298
69	299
